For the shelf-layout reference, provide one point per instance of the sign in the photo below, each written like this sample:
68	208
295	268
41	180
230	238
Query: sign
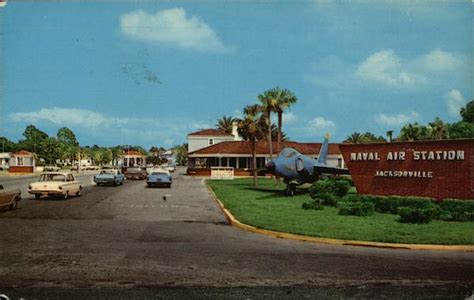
222	173
439	169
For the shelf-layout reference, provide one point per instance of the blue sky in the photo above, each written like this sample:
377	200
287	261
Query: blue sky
149	72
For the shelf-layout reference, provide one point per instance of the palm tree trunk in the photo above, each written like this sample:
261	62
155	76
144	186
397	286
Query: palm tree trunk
254	162
280	121
269	123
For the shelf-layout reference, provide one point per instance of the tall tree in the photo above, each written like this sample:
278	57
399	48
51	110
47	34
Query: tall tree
69	146
412	132
33	139
50	149
250	130
225	124
284	99
268	101
467	113
437	129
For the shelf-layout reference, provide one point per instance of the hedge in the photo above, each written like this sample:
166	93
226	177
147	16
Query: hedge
416	215
456	210
356	208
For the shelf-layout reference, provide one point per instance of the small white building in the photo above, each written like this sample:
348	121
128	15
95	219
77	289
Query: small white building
208	137
22	162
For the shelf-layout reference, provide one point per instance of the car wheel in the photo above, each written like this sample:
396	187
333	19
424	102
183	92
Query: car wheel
66	195
37	196
14	204
291	191
78	193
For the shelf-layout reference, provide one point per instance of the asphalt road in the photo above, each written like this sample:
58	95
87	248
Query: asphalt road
135	242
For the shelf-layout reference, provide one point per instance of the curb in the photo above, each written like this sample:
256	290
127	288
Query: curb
282	235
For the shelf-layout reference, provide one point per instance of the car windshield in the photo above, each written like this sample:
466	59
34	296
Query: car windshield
52	177
108	172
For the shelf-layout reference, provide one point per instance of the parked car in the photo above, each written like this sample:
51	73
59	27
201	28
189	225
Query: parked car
51	168
162	179
171	167
109	176
136	173
9	198
55	184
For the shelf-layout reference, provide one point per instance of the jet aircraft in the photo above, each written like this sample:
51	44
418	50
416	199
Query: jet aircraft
297	169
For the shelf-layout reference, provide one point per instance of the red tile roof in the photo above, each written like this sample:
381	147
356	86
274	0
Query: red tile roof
243	147
132	153
23	153
210	132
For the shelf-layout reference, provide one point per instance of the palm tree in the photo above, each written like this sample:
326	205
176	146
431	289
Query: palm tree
284	99
410	132
439	129
355	138
225	124
250	129
268	102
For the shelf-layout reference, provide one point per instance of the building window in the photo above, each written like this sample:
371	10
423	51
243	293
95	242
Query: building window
339	162
243	162
233	162
19	161
211	141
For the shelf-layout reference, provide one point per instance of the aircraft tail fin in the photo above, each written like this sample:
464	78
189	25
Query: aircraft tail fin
323	153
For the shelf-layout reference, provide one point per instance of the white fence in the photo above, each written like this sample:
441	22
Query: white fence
223	173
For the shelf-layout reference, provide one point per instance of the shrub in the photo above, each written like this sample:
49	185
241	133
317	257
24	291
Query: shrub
356	208
327	199
391	204
337	188
415	215
317	205
456	210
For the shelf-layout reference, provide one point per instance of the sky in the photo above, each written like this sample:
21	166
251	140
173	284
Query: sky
150	72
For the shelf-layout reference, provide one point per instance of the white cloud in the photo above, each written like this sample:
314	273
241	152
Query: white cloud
396	120
388	69
171	27
63	116
455	101
151	131
439	60
289	118
319	125
385	67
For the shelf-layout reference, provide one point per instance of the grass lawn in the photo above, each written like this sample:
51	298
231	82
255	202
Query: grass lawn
266	207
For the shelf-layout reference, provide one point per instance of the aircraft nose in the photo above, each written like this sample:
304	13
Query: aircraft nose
270	166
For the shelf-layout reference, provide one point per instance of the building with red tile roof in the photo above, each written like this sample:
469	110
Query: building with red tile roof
238	155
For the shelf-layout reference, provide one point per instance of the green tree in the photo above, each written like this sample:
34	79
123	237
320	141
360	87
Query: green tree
284	99
268	101
69	146
181	154
467	113
437	129
250	129
50	149
33	139
411	132
354	138
225	124
7	146
461	130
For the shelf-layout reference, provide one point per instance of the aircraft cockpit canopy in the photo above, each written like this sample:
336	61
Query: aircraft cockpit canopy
288	153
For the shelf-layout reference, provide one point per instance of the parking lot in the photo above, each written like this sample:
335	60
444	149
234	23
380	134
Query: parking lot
132	240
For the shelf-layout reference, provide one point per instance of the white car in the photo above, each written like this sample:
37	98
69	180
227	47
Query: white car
55	184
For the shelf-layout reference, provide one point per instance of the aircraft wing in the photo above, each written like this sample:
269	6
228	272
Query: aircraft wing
330	170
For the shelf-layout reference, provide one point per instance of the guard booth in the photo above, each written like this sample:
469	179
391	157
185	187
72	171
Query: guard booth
22	162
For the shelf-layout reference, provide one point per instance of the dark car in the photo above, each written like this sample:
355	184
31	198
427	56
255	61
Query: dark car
159	179
135	173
